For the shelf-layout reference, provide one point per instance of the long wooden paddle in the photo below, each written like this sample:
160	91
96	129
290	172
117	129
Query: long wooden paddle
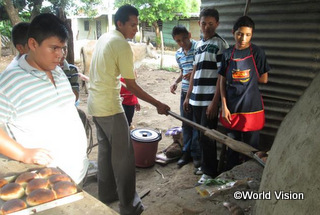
235	145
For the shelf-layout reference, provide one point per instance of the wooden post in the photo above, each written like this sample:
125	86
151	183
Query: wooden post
162	50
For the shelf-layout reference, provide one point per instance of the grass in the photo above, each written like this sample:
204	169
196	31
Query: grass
170	69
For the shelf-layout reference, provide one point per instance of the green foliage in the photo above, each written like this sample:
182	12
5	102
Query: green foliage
194	6
170	69
165	10
5	28
87	7
25	7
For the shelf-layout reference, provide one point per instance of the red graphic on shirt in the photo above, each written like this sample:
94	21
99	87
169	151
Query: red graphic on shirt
241	75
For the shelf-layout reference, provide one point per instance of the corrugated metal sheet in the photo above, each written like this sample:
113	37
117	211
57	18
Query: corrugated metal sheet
289	32
167	29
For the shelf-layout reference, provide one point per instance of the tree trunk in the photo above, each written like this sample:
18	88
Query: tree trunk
70	57
37	4
157	30
12	12
61	14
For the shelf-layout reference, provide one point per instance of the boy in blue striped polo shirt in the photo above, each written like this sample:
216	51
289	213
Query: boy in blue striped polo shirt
184	58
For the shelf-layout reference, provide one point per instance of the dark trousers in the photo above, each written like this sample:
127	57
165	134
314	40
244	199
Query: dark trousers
251	137
207	145
129	111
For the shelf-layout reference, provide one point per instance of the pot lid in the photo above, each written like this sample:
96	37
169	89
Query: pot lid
145	135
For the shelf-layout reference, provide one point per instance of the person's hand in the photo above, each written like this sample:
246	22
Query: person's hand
137	107
37	156
226	115
187	76
212	110
162	108
173	88
83	77
186	105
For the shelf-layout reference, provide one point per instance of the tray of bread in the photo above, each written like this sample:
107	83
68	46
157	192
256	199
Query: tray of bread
37	190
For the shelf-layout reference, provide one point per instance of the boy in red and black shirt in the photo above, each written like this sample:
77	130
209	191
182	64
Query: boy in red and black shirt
130	102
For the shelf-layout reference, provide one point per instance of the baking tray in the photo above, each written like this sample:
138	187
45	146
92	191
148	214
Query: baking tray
45	206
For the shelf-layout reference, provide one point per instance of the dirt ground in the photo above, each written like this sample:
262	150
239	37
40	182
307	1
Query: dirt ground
172	190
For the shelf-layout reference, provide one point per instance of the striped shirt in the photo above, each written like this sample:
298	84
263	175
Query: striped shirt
207	61
185	62
38	114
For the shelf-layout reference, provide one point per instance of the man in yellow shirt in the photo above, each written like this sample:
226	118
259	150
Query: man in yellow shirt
111	60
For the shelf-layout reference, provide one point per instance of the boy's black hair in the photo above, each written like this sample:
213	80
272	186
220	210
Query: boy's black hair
210	12
179	29
243	21
19	33
47	25
123	14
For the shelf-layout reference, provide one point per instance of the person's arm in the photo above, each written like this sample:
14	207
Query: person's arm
10	148
263	78
186	100
83	77
137	107
224	108
174	86
141	94
213	107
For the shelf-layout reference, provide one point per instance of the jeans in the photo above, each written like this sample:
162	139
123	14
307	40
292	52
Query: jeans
251	137
190	134
207	145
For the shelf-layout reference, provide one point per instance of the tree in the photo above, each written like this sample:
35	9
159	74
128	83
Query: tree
152	11
26	10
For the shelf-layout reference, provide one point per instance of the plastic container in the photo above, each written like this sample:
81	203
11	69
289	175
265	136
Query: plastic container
145	144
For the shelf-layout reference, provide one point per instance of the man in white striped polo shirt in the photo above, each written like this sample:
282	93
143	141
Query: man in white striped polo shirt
37	104
203	93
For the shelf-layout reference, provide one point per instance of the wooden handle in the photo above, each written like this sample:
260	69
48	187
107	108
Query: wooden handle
235	145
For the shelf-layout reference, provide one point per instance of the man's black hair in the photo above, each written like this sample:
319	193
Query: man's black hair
47	25
19	33
212	12
123	14
179	29
243	21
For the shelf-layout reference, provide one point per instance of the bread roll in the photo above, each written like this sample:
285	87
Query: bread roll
25	177
40	196
13	205
11	191
64	188
37	183
59	177
3	182
46	172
